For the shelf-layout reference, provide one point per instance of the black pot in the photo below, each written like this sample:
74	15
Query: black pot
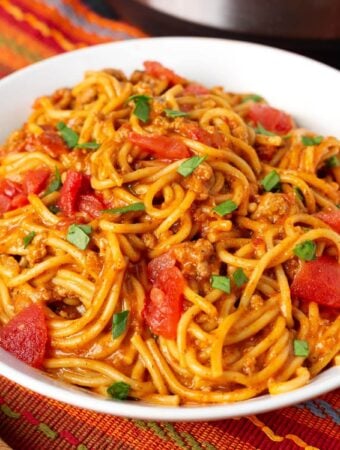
311	27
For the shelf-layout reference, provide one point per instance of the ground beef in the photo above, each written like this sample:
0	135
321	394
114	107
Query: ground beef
200	181
195	258
275	207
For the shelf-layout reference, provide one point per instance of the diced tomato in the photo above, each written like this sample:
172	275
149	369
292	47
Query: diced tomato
25	336
76	183
35	180
91	204
11	196
5	203
318	281
331	217
197	133
195	89
51	142
157	265
157	70
270	118
9	188
163	309
163	147
18	201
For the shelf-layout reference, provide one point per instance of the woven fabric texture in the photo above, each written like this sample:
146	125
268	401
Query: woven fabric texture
31	30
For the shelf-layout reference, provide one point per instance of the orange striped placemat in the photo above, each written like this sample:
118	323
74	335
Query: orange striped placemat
29	421
31	30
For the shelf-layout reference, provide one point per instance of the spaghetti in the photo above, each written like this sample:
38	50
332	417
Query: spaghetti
167	242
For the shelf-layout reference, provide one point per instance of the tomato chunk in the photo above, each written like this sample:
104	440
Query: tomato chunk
76	183
157	265
35	180
157	70
270	118
162	147
5	203
197	133
10	188
11	196
48	141
331	217
91	204
18	201
318	281
25	336
195	89
163	309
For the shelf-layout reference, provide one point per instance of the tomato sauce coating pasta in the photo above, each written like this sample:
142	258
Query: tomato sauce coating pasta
163	241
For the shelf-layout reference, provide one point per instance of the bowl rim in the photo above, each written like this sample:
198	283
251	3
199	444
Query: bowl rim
32	67
43	384
36	381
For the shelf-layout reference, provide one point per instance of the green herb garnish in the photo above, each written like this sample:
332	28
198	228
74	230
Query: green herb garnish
188	166
332	162
55	184
240	277
119	390
89	145
69	135
125	209
225	208
298	193
271	181
311	140
261	130
119	323
78	235
253	97
301	347
306	250
71	138
173	113
142	106
220	282
54	209
28	238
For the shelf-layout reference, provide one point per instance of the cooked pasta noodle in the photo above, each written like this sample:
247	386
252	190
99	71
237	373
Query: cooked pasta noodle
165	228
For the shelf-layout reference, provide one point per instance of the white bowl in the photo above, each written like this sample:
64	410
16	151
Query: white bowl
308	90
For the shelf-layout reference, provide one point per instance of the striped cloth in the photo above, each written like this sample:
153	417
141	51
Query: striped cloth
31	30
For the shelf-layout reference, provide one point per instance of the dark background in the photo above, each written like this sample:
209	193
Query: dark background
321	51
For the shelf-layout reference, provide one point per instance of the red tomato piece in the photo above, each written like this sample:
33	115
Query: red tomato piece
91	204
76	183
331	217
197	133
162	147
10	188
318	281
270	118
164	306
52	143
195	89
25	336
5	203
157	265
18	201
35	180
157	70
49	141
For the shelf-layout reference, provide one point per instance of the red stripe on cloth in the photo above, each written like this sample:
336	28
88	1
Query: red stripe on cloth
33	33
54	18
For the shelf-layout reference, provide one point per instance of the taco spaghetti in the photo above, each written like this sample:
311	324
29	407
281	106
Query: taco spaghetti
167	242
